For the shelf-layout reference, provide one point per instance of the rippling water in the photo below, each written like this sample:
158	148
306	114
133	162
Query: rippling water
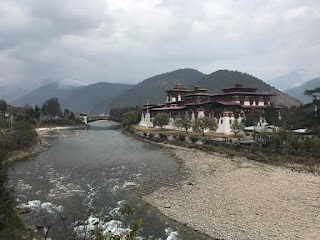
87	176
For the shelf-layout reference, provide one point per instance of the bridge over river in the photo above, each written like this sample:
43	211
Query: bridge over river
86	118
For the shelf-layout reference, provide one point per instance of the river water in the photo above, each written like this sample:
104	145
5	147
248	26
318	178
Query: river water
87	177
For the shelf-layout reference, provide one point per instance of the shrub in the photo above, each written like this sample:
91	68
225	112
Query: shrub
61	122
174	137
3	122
22	135
151	135
181	138
157	140
161	120
163	136
145	134
206	141
193	139
184	123
131	117
201	124
11	226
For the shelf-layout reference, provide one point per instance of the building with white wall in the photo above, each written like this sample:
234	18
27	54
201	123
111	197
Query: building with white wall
233	103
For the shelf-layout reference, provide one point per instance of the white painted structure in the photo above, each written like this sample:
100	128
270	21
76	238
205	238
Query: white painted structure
234	103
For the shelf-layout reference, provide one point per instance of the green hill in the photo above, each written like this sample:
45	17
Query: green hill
220	79
153	89
298	92
100	97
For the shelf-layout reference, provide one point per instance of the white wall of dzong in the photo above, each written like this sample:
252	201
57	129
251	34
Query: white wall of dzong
224	122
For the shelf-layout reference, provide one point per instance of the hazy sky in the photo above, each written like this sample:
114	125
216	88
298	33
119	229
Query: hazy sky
129	40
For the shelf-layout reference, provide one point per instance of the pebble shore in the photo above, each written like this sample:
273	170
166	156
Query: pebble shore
234	198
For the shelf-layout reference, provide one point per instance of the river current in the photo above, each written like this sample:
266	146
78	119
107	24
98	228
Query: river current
86	177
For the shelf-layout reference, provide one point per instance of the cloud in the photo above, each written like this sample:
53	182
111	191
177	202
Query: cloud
127	41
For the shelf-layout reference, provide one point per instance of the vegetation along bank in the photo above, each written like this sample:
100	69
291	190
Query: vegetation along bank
20	139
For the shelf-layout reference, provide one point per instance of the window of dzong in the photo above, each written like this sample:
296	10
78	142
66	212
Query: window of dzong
230	121
221	121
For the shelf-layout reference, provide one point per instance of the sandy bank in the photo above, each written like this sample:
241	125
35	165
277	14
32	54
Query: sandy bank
42	144
43	131
241	199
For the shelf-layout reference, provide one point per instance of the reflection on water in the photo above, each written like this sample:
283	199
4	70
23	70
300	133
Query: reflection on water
87	176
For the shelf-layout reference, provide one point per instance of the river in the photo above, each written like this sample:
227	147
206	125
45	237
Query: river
87	176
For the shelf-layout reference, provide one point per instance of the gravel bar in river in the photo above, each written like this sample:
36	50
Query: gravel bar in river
234	198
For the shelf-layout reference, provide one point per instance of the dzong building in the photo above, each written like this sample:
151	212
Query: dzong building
233	103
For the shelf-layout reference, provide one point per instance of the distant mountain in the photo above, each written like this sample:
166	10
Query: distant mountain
100	97
78	99
40	95
289	80
9	93
292	79
220	79
95	97
153	89
298	92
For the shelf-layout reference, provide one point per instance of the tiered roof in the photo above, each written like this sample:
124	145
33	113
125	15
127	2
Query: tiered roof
197	91
178	88
243	93
168	108
239	88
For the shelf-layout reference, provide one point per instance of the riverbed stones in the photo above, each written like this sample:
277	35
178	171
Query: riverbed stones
241	199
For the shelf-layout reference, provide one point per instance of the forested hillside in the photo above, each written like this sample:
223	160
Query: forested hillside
153	89
101	97
220	79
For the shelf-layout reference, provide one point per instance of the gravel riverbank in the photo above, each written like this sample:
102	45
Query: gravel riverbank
234	198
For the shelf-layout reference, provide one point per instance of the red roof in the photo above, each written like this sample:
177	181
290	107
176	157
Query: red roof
178	90
253	106
196	103
239	89
241	93
199	94
228	103
152	106
168	108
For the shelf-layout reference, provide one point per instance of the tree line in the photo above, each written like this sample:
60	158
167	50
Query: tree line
17	131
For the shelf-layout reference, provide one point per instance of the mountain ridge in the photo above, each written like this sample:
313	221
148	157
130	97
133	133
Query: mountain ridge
298	92
220	79
78	99
100	97
153	89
